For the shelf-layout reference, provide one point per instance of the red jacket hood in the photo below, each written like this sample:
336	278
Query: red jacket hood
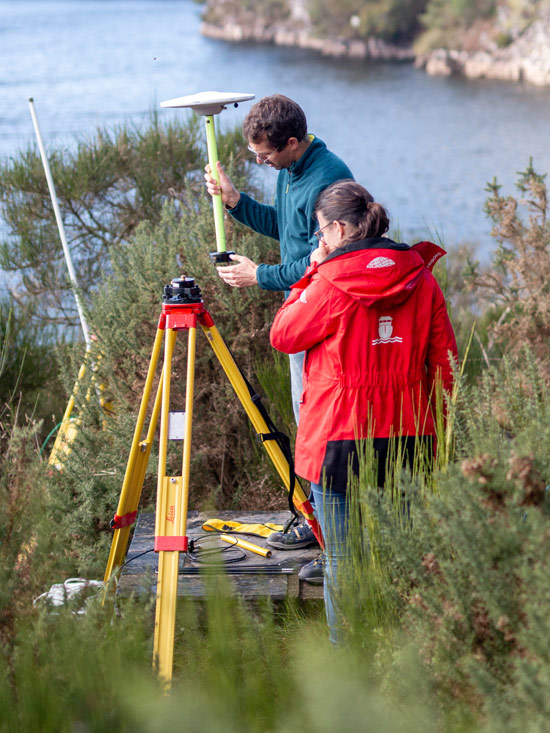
376	270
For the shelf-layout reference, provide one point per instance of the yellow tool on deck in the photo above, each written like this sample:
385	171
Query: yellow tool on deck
230	526
238	542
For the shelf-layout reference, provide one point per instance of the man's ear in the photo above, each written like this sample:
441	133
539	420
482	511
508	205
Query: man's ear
293	143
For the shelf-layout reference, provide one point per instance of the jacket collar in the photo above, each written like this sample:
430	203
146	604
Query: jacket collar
371	243
297	167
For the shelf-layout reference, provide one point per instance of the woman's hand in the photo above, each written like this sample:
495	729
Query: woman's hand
319	254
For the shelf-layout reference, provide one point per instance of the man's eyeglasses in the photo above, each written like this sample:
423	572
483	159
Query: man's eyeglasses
260	157
319	232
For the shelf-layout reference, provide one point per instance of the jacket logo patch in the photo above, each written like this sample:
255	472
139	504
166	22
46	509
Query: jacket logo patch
303	298
385	330
380	262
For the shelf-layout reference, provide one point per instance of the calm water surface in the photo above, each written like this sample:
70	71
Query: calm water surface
424	146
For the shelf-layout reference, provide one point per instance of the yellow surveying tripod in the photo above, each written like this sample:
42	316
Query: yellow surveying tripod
182	309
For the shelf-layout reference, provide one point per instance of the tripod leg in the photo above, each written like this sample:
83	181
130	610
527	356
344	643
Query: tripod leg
189	391
67	429
135	469
274	451
171	517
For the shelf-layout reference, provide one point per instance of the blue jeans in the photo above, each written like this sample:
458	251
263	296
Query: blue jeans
332	512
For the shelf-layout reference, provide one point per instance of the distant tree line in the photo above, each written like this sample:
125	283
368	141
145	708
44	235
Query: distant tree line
425	23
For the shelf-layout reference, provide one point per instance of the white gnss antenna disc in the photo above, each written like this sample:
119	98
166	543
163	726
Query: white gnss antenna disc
208	103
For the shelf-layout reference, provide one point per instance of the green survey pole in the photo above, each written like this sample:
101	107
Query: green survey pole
216	200
208	104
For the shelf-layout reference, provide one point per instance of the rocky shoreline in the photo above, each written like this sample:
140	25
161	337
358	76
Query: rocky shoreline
526	58
281	35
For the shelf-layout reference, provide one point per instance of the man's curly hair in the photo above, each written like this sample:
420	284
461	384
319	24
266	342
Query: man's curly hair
275	118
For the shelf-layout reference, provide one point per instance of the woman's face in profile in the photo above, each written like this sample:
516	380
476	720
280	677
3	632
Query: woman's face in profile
332	232
327	231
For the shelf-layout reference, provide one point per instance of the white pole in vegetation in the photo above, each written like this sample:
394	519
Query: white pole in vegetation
51	187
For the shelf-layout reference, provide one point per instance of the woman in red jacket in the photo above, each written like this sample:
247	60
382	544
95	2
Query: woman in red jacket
374	323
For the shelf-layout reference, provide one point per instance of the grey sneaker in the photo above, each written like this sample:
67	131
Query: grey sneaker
312	572
300	536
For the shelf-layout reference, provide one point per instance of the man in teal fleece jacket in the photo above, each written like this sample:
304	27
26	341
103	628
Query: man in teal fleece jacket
276	131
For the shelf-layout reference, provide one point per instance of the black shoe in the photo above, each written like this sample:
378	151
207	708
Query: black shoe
300	536
312	572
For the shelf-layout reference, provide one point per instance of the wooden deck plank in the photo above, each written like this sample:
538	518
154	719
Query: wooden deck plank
139	575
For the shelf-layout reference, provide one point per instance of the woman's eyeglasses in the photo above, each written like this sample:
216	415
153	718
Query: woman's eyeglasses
319	232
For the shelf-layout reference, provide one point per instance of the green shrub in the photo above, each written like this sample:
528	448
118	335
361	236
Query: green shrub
26	364
260	12
468	573
517	285
456	14
503	39
237	668
391	20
